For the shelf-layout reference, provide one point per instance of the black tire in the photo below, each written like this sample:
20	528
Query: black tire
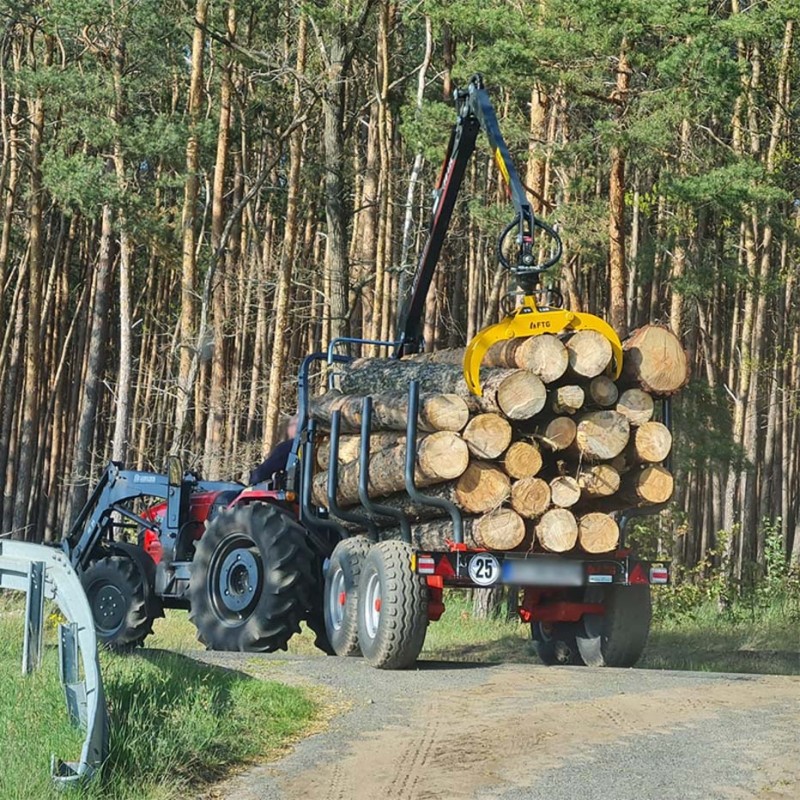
555	643
618	637
392	607
340	598
252	580
115	588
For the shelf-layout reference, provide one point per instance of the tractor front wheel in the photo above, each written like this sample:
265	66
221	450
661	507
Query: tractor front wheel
392	607
252	580
115	588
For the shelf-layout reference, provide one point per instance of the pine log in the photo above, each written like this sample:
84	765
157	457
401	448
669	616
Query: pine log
636	406
482	487
498	530
650	485
544	355
651	442
487	435
589	353
557	530
518	394
530	497
654	359
564	491
598	533
502	529
350	446
437	412
558	434
567	399
602	435
440	457
522	460
598	480
602	391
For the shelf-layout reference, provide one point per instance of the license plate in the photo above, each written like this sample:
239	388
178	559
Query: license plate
543	572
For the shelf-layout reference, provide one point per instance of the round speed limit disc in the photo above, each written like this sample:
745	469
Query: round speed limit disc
484	569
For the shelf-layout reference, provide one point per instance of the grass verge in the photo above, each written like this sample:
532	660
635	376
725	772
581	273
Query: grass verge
176	724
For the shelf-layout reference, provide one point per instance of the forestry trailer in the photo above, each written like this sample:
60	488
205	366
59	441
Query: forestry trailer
251	563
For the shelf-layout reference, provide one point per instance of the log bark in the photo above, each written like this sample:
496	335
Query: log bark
517	394
557	530
598	533
441	457
558	434
567	399
487	435
482	488
654	360
564	491
636	406
602	391
589	353
530	497
598	480
437	412
350	446
602	435
522	460
498	530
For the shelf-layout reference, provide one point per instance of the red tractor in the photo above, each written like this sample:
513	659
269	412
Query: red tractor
235	556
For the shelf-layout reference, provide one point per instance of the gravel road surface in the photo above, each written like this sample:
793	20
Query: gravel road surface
519	732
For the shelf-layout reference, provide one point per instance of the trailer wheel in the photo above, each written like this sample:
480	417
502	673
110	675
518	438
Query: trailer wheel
616	638
115	588
341	594
252	580
392	607
555	643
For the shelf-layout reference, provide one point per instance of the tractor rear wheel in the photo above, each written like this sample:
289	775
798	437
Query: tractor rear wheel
252	579
555	643
392	607
115	588
341	594
616	638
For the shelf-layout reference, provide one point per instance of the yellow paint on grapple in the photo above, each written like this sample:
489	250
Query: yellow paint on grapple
528	320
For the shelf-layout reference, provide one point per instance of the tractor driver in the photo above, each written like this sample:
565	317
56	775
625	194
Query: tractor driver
276	460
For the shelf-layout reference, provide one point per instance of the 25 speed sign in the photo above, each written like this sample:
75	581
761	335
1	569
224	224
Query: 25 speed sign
484	569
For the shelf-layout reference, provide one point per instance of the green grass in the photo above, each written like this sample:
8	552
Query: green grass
176	724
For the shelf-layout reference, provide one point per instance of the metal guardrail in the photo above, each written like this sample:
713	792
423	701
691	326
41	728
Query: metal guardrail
44	572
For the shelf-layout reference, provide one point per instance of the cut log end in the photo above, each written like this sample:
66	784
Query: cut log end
545	356
483	487
655	360
652	442
602	435
603	391
558	434
564	491
598	533
557	530
636	406
589	353
521	395
599	480
442	456
503	529
567	399
487	435
530	497
522	460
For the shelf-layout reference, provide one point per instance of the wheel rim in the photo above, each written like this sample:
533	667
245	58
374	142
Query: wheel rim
337	598
372	605
108	607
235	576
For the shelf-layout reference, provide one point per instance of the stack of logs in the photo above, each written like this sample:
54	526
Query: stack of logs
542	460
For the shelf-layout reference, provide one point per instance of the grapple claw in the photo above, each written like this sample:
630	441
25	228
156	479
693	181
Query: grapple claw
528	320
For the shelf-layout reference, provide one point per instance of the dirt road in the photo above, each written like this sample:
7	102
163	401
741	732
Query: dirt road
510	732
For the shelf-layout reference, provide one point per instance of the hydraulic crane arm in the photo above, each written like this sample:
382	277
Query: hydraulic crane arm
475	113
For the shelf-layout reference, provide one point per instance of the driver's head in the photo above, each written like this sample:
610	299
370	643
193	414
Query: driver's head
291	426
